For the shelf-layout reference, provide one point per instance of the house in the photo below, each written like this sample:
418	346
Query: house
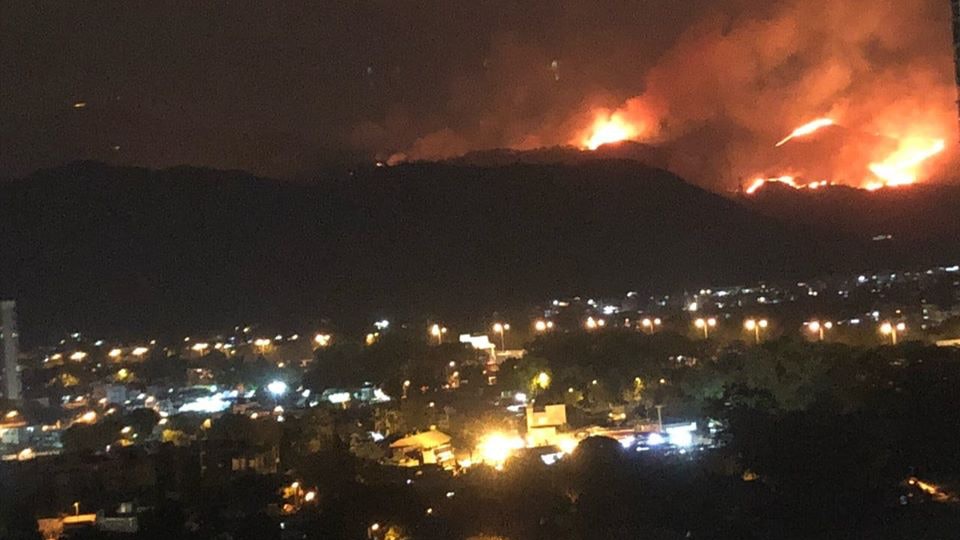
543	423
427	448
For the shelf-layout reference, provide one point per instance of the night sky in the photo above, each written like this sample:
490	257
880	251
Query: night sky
285	89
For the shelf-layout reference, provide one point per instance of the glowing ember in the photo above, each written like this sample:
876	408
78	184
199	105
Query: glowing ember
807	129
609	129
901	167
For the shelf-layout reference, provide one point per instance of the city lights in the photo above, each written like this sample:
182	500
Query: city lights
593	324
819	328
322	340
438	332
496	447
650	325
755	326
542	380
893	330
500	328
542	326
705	325
277	388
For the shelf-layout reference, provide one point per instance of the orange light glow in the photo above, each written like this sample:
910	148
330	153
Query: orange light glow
609	128
757	184
902	166
807	129
760	182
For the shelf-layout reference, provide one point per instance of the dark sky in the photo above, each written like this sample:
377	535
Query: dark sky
281	88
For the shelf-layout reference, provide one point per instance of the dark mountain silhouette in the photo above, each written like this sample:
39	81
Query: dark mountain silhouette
922	220
651	156
118	250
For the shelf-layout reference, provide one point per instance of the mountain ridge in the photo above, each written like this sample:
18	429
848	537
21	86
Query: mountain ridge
136	250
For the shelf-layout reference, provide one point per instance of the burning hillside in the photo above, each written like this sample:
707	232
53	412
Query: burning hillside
858	93
868	161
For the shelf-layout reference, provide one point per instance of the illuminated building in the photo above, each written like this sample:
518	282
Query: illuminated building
427	448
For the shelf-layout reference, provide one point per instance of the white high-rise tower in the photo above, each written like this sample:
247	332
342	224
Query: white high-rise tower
9	349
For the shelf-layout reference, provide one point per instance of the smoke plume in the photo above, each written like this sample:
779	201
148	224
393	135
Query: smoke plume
735	78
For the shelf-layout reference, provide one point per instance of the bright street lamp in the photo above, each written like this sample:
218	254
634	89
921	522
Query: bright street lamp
593	324
438	331
322	340
892	330
818	328
277	388
650	325
542	326
755	326
500	328
705	325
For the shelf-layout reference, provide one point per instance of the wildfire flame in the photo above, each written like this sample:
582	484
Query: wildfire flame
608	128
901	167
760	182
806	129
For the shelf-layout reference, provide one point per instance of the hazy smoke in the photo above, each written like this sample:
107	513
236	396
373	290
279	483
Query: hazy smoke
738	77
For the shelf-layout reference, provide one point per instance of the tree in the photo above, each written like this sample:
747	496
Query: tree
89	438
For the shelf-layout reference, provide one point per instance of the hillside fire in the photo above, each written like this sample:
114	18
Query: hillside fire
806	129
902	167
608	128
881	166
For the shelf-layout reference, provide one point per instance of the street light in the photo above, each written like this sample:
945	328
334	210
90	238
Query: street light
705	325
438	331
650	325
542	326
500	328
892	330
277	388
322	340
593	324
819	328
755	326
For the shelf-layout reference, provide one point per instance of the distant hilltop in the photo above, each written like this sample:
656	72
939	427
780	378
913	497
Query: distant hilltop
116	249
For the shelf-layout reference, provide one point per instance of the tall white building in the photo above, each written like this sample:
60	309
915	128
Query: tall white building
9	349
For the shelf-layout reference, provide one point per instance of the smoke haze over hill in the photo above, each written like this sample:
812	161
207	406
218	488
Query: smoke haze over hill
282	92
